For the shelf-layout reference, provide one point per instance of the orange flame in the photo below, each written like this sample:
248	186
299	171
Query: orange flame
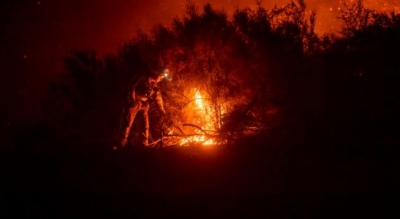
206	122
198	99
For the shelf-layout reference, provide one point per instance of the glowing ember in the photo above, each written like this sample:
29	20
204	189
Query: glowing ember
201	139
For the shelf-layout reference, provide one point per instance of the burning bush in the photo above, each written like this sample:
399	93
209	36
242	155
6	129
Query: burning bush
231	76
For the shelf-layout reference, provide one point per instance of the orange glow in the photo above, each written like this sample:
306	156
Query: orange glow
204	118
198	99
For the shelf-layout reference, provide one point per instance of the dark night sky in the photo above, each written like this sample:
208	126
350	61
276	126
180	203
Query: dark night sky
36	35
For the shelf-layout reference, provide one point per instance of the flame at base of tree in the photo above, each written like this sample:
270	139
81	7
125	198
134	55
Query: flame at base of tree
210	121
206	122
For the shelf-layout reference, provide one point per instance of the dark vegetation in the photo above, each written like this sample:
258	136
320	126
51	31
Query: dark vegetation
325	109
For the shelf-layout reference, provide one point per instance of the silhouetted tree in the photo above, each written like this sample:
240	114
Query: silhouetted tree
255	68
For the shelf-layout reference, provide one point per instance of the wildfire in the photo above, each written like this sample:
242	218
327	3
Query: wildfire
198	99
204	119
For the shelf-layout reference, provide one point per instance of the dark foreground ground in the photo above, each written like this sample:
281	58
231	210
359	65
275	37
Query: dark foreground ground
275	176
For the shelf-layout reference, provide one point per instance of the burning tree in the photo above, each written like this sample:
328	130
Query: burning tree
213	89
226	72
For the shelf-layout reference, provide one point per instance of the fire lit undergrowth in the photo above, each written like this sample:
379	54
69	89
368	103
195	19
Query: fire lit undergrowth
214	88
237	76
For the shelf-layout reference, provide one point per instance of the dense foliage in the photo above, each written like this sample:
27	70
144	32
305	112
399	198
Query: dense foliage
259	68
